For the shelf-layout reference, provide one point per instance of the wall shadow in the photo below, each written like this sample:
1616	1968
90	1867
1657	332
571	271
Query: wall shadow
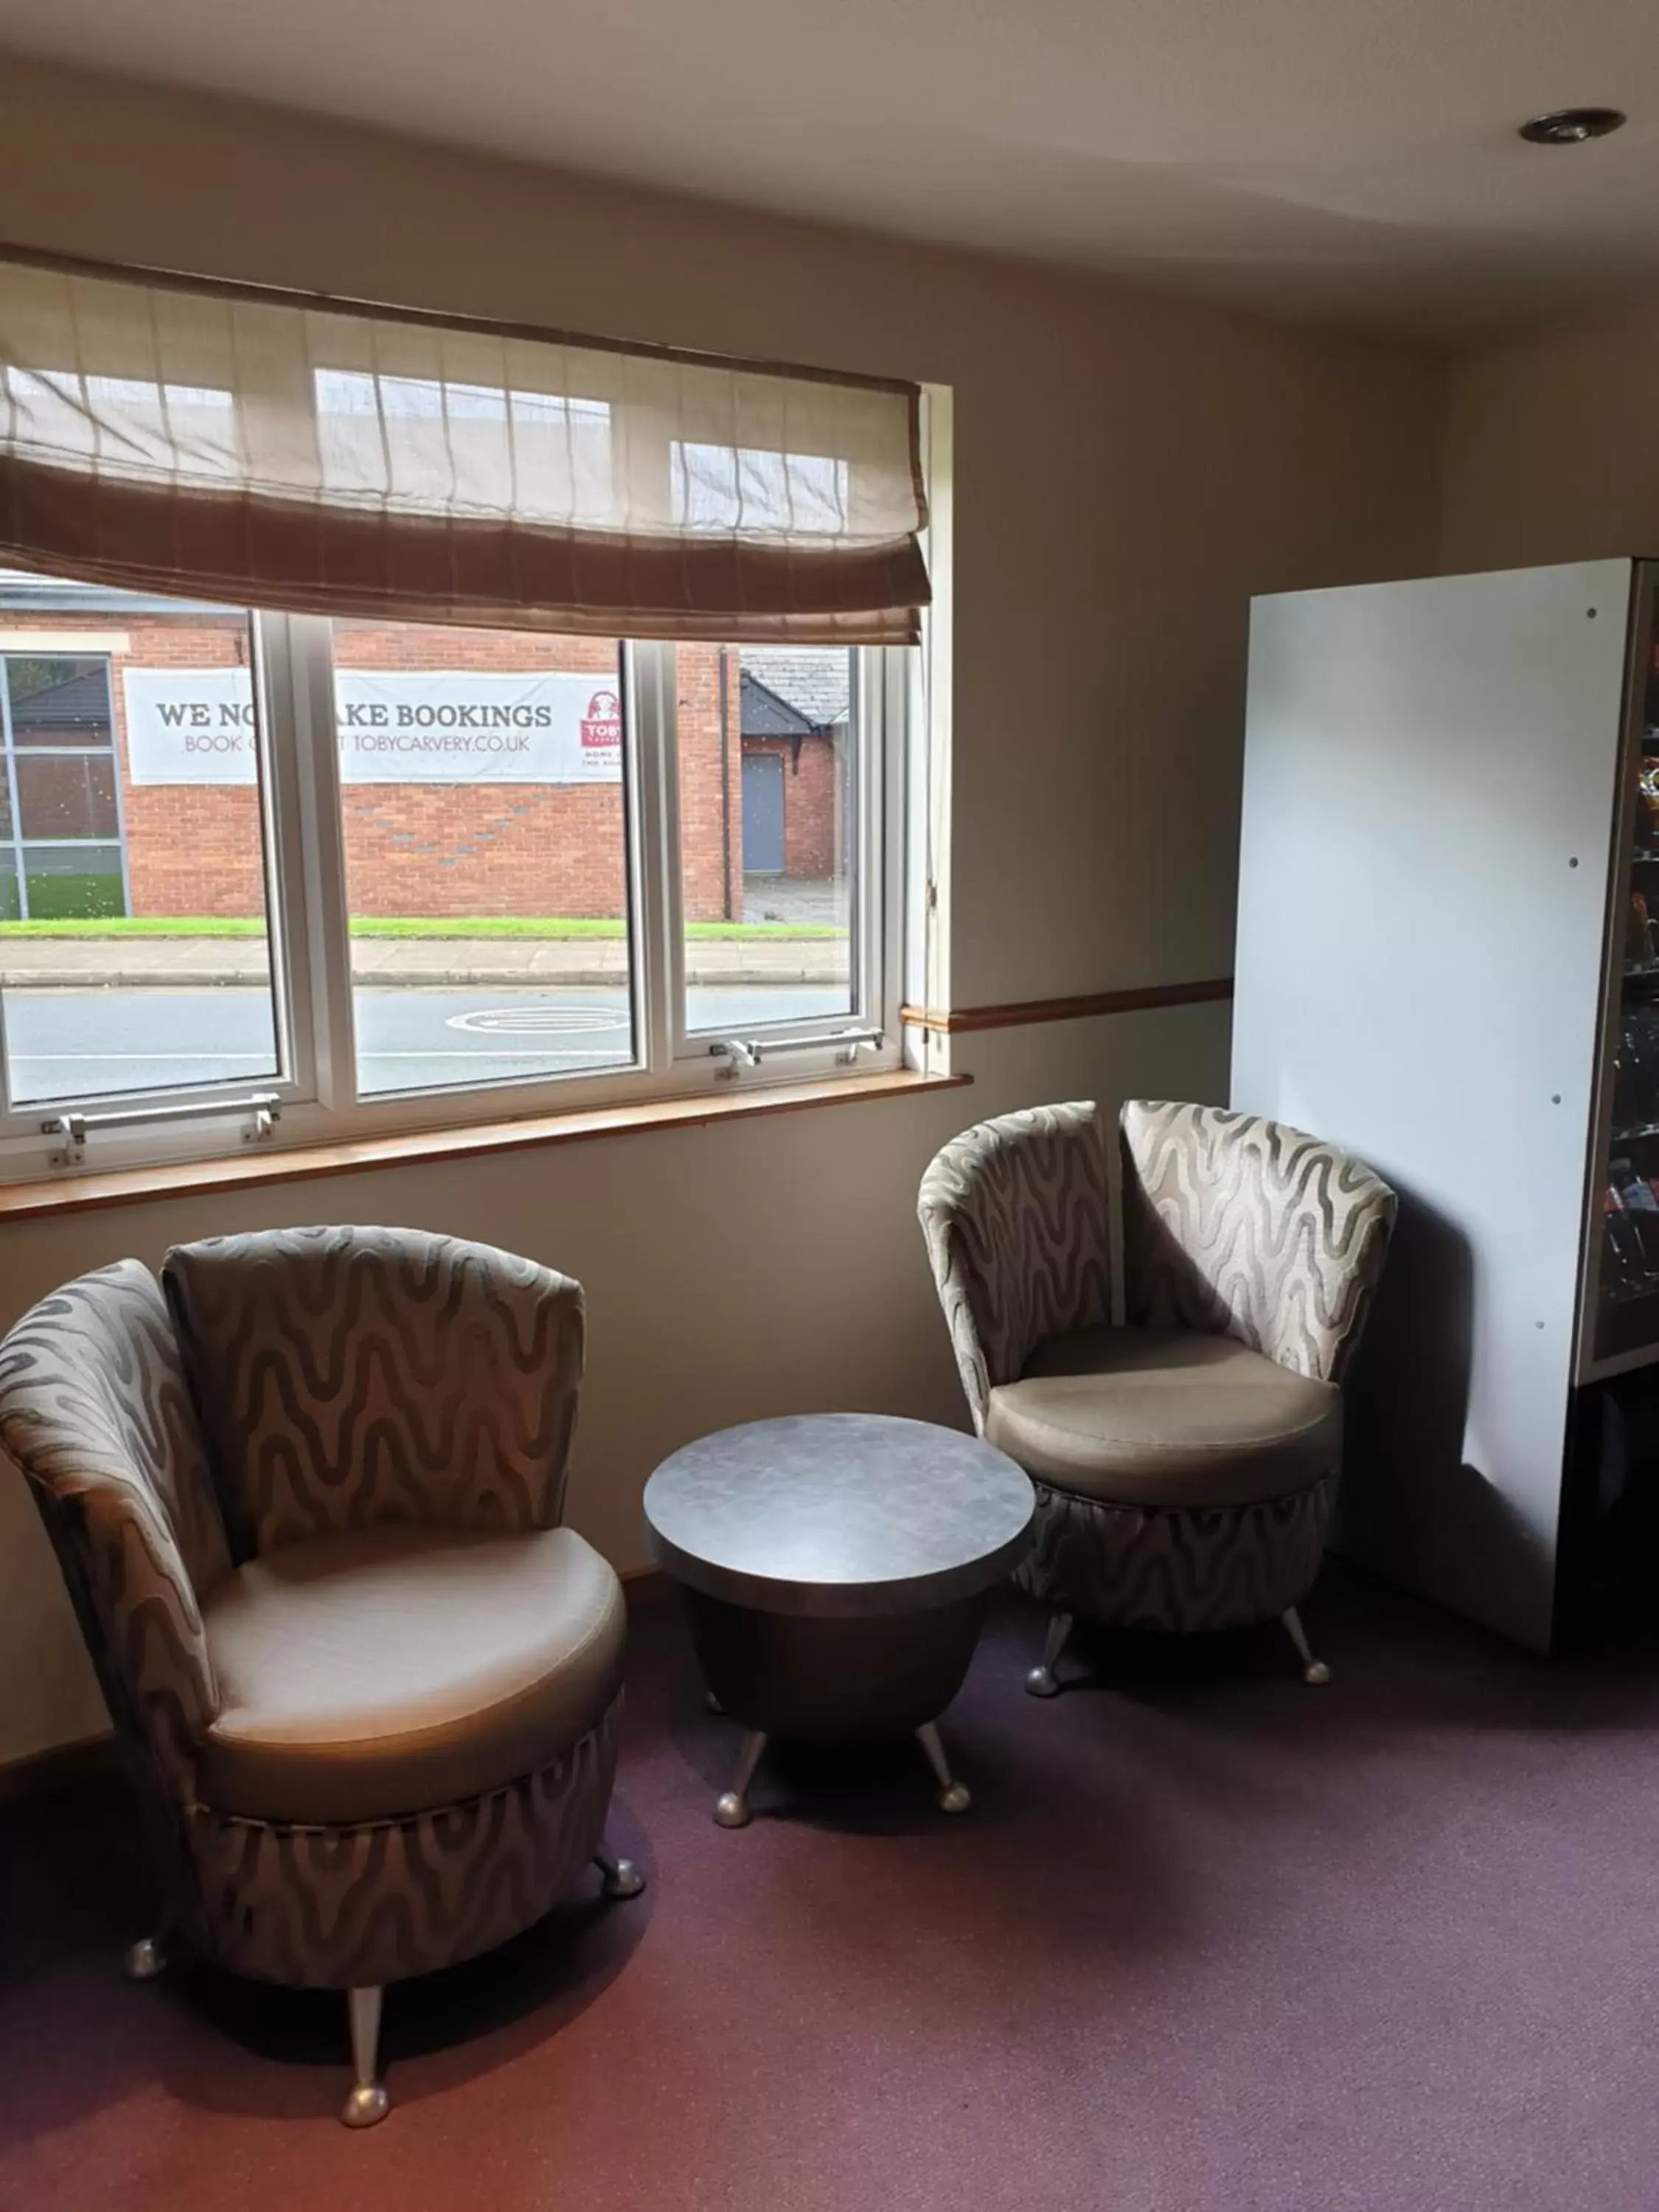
1410	1505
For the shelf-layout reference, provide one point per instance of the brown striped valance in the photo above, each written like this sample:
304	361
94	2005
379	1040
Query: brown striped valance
269	449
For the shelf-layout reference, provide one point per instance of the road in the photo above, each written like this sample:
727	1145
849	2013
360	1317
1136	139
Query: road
80	1044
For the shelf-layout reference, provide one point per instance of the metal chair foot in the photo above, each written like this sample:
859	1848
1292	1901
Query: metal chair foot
368	2101
145	1958
1314	1672
1041	1681
953	1796
732	1806
367	2104
622	1877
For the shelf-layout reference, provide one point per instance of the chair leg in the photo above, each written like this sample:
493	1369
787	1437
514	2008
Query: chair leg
622	1877
1041	1682
952	1794
1314	1671
368	2101
732	1806
147	1958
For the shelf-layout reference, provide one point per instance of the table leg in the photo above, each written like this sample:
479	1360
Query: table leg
732	1810
952	1794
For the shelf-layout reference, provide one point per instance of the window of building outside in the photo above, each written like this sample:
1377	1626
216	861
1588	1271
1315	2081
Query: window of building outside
388	877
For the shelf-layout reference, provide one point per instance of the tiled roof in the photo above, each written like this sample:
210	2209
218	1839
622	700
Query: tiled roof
74	709
815	680
763	715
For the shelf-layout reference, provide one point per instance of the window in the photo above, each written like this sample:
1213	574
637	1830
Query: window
56	412
59	813
310	831
486	854
134	946
723	487
770	832
280	878
534	452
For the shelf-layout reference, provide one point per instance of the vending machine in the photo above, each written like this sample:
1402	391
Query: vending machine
1449	962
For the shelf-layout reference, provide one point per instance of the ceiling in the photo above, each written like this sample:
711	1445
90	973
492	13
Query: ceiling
1354	160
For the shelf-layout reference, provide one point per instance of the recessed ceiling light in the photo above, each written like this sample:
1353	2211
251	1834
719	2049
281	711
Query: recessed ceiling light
1571	126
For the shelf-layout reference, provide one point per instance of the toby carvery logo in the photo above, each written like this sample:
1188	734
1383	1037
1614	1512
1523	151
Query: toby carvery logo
602	723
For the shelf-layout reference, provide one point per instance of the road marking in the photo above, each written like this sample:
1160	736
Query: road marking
537	1021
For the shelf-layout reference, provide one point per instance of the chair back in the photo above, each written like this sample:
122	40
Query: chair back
1016	1214
348	1377
95	1410
1248	1228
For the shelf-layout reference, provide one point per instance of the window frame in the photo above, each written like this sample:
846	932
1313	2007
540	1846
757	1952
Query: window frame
875	904
315	1089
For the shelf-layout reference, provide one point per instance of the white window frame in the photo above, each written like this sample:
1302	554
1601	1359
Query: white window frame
315	1091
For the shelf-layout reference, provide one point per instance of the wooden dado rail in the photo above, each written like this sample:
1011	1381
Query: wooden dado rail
1022	1010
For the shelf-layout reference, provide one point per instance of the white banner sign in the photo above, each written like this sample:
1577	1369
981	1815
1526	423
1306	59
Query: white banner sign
196	725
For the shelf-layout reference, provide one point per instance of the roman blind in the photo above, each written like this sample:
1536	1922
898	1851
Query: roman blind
271	449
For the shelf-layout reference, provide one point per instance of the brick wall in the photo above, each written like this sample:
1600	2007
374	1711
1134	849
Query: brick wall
191	849
461	850
711	783
469	849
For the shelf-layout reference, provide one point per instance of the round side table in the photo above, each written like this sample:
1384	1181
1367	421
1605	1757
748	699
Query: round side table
837	1568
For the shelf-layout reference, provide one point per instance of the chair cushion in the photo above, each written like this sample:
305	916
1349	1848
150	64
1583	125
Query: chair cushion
392	1670
1165	1417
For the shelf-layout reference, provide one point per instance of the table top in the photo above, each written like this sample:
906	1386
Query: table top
838	1514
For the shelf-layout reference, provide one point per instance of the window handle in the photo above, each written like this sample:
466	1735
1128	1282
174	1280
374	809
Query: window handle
264	1110
749	1052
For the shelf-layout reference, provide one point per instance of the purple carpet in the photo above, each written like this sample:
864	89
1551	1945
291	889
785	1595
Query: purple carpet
1209	1942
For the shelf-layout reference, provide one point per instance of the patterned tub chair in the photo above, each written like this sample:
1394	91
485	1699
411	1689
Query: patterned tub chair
306	1504
1185	1462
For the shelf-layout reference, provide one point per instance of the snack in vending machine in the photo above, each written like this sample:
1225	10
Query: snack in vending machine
1638	932
1647	807
1622	1270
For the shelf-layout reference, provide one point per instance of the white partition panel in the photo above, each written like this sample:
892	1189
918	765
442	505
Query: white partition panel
1430	777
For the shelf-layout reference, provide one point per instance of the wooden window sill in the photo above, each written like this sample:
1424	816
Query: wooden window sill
75	1194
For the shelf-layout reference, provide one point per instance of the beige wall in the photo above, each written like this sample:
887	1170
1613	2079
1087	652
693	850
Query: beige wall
1128	470
773	1265
1552	445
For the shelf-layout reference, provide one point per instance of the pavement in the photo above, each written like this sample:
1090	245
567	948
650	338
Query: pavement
819	903
433	963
